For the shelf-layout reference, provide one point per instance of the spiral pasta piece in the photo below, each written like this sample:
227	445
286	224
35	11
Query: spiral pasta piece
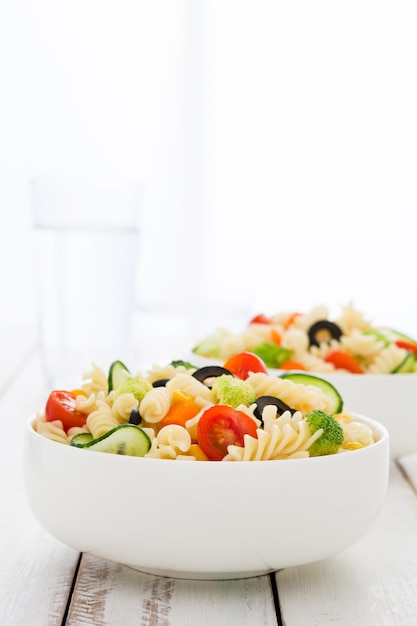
96	380
314	363
361	345
52	430
255	334
304	398
232	345
202	395
155	404
123	406
387	360
296	340
76	430
176	436
102	420
171	441
158	372
304	322
286	437
351	318
356	435
88	404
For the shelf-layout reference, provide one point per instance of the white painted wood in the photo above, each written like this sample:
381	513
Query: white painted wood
36	572
107	593
372	584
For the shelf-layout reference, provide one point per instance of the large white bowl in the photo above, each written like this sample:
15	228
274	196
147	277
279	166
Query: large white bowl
388	398
205	520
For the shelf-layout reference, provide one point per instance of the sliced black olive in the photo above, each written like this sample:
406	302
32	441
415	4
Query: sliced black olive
160	383
135	417
264	401
210	371
323	331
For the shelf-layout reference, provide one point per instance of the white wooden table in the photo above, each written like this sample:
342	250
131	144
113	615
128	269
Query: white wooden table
44	583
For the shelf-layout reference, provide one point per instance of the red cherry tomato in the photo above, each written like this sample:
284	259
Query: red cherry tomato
61	406
244	362
261	318
407	345
221	426
343	361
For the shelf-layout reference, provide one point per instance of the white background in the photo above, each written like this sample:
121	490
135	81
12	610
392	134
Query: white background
277	141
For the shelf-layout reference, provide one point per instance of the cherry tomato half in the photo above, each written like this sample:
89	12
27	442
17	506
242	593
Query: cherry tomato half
343	361
61	406
221	426
261	318
241	364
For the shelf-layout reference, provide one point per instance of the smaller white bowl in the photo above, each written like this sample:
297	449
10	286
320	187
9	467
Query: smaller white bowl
206	520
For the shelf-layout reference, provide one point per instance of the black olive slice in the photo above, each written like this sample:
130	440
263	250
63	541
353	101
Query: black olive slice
210	371
160	383
264	401
135	417
323	331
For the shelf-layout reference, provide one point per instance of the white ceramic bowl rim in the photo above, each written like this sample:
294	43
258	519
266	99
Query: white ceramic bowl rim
378	429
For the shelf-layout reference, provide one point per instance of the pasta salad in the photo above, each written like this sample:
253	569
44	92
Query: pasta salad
181	412
311	341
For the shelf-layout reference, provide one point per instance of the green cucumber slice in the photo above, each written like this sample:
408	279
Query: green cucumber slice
80	440
379	336
392	334
407	365
126	439
117	373
336	401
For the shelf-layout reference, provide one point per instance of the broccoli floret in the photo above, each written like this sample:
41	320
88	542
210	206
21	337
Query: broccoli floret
271	354
331	439
233	391
136	385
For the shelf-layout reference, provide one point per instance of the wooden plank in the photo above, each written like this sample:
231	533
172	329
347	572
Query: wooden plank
36	571
372	584
107	593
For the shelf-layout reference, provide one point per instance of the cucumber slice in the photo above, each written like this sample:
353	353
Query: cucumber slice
336	401
379	336
117	373
126	439
80	440
407	365
392	334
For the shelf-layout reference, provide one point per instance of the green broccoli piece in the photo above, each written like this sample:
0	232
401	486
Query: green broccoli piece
233	391
271	354
331	439
136	385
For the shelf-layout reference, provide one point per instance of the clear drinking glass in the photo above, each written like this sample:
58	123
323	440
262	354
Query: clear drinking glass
86	245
